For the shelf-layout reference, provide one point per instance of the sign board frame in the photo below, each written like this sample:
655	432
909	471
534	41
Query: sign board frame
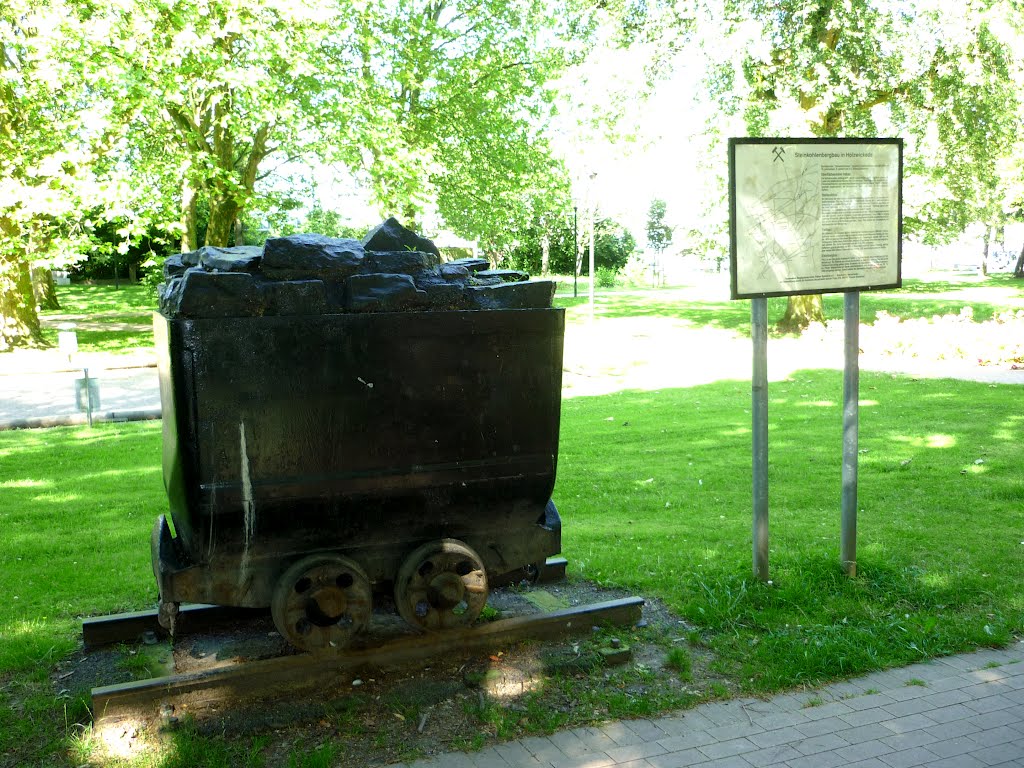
810	215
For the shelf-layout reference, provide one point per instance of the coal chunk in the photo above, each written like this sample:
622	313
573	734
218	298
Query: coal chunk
294	297
167	292
241	258
173	267
442	296
474	280
299	257
382	292
472	264
398	262
176	264
198	293
505	275
533	295
453	272
389	235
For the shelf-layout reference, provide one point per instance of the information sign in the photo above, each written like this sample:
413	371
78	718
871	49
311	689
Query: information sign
814	215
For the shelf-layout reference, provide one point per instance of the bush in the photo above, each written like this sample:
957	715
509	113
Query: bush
637	273
605	277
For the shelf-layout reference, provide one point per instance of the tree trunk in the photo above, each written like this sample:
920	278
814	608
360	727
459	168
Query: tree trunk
1018	269
801	311
189	214
19	320
223	213
545	254
985	251
44	289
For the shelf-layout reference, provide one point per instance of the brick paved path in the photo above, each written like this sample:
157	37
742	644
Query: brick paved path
959	712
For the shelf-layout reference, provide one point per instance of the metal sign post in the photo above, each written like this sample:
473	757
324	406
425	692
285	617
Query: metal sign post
87	394
759	409
851	433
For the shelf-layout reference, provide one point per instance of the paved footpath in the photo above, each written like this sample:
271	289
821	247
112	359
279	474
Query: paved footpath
959	712
38	387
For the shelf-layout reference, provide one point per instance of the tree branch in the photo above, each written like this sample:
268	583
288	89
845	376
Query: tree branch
256	155
195	138
505	67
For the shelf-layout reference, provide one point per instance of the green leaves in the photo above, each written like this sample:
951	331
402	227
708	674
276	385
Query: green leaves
944	79
456	101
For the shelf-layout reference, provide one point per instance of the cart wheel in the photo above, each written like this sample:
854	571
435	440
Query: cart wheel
441	585
321	602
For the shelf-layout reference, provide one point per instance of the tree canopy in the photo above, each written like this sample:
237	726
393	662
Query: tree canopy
56	137
183	106
942	76
659	234
147	117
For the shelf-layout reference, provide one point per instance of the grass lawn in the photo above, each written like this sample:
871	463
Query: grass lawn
654	490
75	508
107	319
916	299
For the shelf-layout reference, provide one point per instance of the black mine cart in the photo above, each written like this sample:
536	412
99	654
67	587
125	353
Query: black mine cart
313	462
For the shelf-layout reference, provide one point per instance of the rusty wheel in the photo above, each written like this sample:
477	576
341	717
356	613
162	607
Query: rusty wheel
441	585
321	602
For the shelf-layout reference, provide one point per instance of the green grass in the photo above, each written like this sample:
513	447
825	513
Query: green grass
119	341
75	508
116	319
105	299
187	748
662	506
678	659
916	299
123	310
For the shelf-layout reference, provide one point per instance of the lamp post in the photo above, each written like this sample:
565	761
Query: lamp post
593	222
575	252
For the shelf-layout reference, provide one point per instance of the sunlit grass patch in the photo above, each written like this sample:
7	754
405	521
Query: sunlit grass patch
74	540
104	299
685	535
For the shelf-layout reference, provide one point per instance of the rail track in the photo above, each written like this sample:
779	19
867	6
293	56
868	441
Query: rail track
208	691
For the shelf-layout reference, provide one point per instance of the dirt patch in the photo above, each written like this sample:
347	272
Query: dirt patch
456	702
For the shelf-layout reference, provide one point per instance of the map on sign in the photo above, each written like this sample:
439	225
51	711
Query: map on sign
810	216
786	231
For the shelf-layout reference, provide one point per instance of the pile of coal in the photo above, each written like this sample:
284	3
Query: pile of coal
391	270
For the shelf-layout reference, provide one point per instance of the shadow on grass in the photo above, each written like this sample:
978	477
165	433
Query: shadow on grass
1003	280
187	747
